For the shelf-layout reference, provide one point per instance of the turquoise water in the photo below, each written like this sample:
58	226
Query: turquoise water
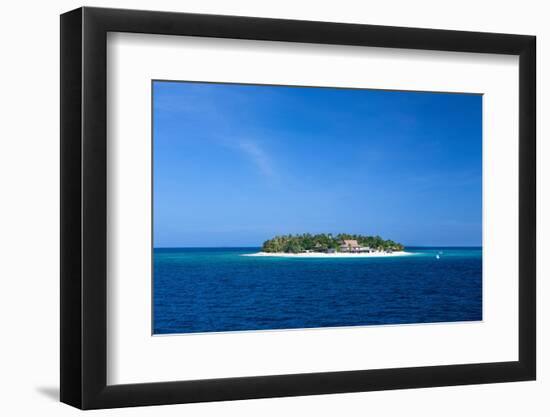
218	290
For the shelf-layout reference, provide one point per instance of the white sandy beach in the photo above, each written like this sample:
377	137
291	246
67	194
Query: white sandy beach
330	255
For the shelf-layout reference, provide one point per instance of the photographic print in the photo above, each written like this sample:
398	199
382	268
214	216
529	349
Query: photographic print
288	207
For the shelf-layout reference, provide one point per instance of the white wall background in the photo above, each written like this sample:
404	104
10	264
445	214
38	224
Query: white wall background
29	228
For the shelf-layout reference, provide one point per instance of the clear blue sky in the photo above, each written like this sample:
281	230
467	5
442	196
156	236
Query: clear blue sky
235	165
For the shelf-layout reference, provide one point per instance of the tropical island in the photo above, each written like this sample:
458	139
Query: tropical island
321	245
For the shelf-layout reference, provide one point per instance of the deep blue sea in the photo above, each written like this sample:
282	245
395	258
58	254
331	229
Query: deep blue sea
218	290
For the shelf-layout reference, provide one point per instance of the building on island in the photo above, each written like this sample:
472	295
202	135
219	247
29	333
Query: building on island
352	246
349	245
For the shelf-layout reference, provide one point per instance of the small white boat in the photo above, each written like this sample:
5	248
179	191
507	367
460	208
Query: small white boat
437	256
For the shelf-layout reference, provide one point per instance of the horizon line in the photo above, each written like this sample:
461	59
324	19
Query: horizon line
256	246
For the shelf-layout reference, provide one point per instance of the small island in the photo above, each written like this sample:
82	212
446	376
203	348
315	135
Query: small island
329	245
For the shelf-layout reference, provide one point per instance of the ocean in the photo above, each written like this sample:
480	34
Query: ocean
218	290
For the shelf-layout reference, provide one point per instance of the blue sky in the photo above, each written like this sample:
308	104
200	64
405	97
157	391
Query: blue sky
235	165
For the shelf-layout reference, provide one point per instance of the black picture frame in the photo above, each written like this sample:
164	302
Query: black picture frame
84	208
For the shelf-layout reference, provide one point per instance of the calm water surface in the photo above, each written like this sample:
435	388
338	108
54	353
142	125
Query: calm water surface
217	290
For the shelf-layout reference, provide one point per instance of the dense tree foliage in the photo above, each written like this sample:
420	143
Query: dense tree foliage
323	242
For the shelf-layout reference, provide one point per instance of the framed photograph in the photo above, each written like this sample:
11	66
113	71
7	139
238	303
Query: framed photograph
259	208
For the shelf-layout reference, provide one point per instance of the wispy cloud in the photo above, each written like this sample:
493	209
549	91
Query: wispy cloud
259	157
